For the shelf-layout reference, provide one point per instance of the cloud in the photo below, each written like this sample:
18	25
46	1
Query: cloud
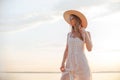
17	18
25	21
95	12
17	15
93	8
71	4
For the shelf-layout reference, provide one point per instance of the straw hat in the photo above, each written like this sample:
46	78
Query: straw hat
67	14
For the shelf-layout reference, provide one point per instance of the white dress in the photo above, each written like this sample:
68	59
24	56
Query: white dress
77	67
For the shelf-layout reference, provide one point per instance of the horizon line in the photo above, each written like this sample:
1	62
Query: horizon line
55	72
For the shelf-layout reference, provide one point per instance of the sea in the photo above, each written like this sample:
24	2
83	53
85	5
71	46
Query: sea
54	75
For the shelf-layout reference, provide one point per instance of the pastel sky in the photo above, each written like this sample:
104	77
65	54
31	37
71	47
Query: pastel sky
33	33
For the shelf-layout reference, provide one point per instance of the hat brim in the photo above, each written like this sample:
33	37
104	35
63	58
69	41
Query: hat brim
67	14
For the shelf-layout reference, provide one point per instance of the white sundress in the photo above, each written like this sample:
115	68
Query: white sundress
77	67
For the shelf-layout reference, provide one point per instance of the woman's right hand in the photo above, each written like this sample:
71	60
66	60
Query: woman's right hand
62	68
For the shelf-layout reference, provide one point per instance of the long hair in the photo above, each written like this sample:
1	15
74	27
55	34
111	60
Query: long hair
78	22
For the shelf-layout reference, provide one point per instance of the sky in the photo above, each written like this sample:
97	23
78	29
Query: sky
33	34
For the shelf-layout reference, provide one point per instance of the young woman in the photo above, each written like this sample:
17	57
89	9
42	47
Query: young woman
76	67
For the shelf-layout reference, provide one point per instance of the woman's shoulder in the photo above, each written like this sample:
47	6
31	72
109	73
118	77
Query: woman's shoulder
69	33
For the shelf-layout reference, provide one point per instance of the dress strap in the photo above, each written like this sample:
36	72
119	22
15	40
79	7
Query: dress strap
70	34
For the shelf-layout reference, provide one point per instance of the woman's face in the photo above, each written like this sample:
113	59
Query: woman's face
72	21
75	22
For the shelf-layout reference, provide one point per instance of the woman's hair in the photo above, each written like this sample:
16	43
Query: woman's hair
78	21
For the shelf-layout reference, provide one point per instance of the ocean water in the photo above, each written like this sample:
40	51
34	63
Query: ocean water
55	76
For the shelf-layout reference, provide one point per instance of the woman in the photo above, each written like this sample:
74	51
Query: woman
76	67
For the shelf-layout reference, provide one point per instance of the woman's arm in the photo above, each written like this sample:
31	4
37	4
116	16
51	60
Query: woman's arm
65	55
62	68
88	41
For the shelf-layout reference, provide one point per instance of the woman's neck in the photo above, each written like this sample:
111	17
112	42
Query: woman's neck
75	31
